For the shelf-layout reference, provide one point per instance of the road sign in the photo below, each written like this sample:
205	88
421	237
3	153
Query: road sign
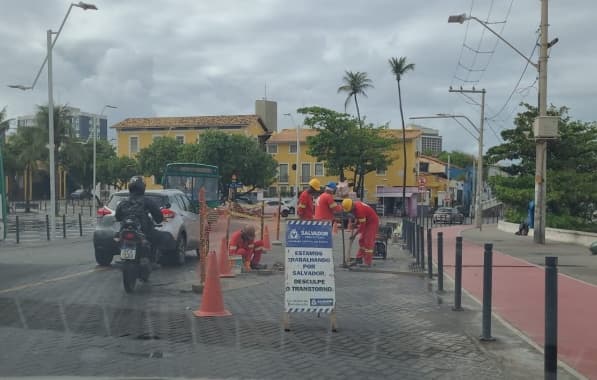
309	266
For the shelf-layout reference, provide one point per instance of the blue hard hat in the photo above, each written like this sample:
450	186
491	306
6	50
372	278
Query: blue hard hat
331	185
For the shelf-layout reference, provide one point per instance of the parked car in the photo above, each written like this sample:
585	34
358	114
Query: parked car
180	222
448	215
291	204
271	207
80	194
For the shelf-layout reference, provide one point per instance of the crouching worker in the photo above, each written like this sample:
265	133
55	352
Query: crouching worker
368	224
243	243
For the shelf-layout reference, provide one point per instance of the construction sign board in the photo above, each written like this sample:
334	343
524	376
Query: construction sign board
309	269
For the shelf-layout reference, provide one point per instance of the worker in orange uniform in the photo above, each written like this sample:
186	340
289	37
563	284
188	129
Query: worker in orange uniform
368	224
305	207
243	243
326	206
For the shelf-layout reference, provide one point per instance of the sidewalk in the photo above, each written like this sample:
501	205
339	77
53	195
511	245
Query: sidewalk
393	323
518	288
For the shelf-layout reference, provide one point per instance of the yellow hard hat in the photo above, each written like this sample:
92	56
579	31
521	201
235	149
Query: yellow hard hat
347	205
314	183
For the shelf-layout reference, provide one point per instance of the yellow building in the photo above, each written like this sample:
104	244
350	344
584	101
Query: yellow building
134	134
282	146
436	183
381	185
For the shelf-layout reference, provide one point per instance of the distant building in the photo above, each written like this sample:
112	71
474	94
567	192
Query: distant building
81	122
431	141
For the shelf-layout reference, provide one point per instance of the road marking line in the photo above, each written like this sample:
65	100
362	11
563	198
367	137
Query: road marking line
34	284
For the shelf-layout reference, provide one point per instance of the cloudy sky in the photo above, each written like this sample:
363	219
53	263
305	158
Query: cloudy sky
198	57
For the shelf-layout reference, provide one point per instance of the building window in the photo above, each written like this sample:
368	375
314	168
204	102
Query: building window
283	173
133	145
180	139
292	147
319	172
380	172
424	167
305	173
272	148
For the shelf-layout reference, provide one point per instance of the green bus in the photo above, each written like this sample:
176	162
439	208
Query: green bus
189	177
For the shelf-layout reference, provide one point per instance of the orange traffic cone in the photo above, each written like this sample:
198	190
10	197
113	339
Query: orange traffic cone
266	242
224	260
212	302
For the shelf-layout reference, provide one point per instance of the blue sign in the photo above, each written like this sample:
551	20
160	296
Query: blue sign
309	234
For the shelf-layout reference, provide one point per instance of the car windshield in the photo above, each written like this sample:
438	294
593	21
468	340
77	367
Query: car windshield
161	200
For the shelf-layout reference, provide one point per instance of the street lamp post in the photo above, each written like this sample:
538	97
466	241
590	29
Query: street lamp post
542	123
99	120
479	137
298	151
48	59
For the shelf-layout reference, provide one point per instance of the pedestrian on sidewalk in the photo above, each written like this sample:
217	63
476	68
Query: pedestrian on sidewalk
305	206
326	207
368	224
242	242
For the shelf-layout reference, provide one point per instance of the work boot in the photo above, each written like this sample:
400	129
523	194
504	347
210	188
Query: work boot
258	266
356	261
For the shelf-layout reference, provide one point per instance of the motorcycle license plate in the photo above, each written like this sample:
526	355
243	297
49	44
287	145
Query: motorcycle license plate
128	253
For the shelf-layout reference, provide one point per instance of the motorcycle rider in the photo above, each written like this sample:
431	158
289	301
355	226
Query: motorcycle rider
138	206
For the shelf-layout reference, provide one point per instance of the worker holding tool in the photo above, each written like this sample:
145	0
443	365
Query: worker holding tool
368	224
326	206
305	207
243	243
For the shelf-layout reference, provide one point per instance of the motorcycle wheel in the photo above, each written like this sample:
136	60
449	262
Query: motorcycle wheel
129	276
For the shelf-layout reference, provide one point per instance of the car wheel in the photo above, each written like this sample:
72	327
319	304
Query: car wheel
285	213
180	255
103	258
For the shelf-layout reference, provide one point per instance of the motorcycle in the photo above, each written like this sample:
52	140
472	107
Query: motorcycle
136	253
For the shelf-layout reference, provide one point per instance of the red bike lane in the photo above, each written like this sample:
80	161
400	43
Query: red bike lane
519	298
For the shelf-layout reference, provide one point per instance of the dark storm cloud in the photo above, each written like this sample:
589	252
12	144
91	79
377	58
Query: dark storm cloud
197	57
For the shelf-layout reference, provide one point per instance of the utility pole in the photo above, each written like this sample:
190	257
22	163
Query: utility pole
541	144
479	187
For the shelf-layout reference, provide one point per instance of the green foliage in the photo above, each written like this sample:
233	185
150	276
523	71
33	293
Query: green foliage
342	145
571	163
355	84
457	158
335	143
121	169
153	159
233	154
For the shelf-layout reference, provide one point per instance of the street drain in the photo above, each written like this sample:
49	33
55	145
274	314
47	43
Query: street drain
147	336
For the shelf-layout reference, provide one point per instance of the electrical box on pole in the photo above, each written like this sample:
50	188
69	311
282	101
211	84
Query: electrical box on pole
546	127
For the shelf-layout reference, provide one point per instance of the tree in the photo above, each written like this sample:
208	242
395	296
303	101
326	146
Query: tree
342	145
123	168
356	84
457	158
153	159
399	68
233	154
332	143
571	163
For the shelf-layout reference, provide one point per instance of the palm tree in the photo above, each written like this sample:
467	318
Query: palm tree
356	84
399	68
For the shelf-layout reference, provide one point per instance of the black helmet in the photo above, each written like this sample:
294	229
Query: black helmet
137	185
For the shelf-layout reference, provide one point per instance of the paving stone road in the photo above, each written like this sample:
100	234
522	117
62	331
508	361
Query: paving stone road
80	322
